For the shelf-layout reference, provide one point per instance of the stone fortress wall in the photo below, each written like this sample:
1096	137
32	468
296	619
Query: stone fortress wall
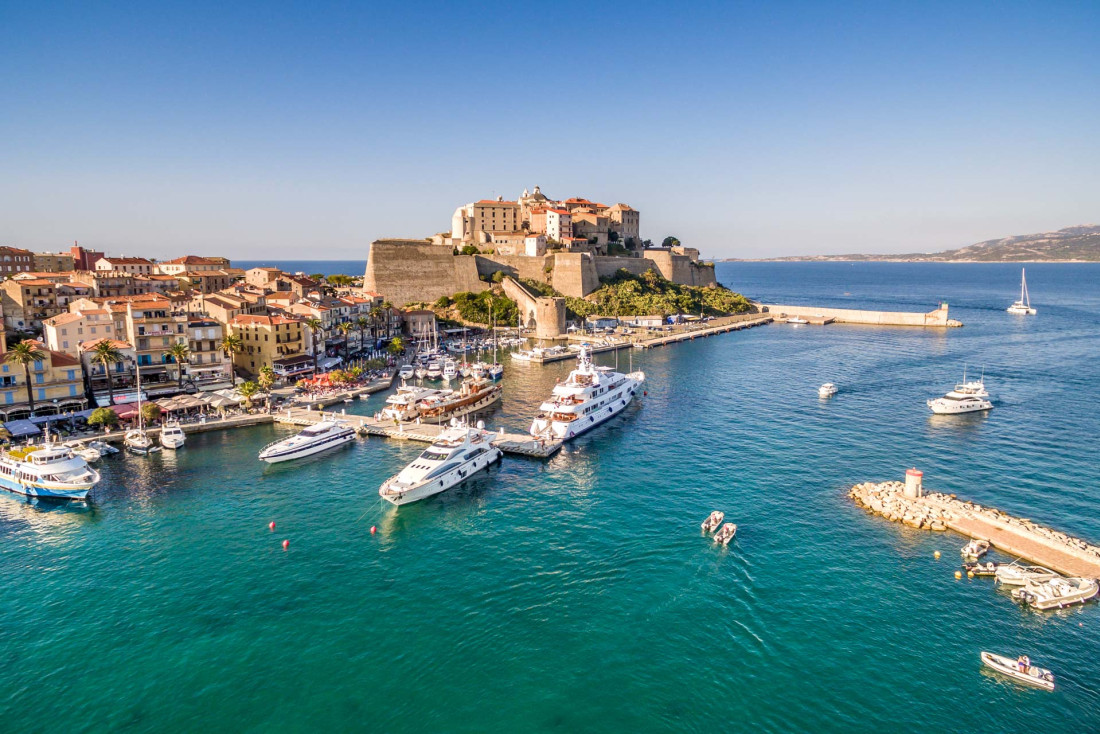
405	271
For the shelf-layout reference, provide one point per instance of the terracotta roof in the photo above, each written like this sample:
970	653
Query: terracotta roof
14	250
191	260
247	319
127	260
63	318
560	211
57	359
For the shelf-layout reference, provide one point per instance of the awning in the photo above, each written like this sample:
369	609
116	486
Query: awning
125	410
19	429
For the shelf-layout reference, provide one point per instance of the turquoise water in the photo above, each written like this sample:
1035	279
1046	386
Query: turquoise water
577	594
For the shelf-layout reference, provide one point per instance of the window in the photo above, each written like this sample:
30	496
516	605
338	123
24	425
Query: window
41	393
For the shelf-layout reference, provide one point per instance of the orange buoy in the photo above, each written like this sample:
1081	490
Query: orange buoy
271	525
373	529
286	544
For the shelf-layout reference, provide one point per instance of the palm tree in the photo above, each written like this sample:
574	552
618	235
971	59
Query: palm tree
180	353
363	323
107	354
26	353
247	390
232	346
266	381
344	328
315	327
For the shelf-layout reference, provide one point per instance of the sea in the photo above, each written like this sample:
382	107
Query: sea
578	594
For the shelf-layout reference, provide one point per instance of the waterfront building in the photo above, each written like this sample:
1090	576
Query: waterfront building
153	326
131	265
15	260
208	366
57	384
419	324
27	303
49	262
123	375
277	341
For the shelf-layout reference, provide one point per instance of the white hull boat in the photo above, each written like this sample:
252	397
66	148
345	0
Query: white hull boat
458	453
713	521
48	471
827	390
139	442
84	451
725	534
323	436
1020	670
1017	575
406	372
172	435
1022	307
590	396
967	397
1057	593
975	549
102	447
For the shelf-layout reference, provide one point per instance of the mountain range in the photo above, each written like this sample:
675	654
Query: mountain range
1072	244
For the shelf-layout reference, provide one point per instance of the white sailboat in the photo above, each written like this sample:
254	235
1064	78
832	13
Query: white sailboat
1022	307
137	440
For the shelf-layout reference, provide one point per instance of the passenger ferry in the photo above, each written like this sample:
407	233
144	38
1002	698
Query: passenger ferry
458	452
48	470
328	434
590	396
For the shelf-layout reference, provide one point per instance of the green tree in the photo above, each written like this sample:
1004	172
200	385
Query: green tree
315	329
27	353
363	323
498	276
670	241
470	250
150	412
319	277
107	354
346	328
103	417
232	346
443	302
247	390
340	280
180	353
397	346
266	379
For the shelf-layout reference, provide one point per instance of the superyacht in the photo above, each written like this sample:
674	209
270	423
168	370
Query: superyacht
590	396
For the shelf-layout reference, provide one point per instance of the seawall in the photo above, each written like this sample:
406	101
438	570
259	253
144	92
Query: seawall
937	318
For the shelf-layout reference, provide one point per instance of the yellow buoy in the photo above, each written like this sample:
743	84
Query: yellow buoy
958	574
970	574
936	554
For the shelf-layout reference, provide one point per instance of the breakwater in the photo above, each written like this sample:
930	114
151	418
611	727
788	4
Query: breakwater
1011	535
936	318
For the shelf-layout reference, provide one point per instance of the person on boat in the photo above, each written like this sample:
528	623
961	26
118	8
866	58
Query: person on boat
1024	663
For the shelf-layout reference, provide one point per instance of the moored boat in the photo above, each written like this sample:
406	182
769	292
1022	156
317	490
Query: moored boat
172	435
456	454
84	451
1019	669
713	521
323	436
975	548
1013	574
406	372
1057	593
975	568
474	395
48	470
827	390
138	441
587	398
725	534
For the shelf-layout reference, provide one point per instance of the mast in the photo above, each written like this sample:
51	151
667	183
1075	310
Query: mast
1023	288
141	418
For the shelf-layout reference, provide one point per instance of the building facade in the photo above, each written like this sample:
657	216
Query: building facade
56	383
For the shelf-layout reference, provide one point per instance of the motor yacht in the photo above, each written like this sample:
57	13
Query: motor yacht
450	370
1056	593
84	451
590	396
459	452
328	434
172	435
406	372
434	371
827	390
402	405
47	470
1014	574
1022	307
967	397
421	372
474	395
1019	669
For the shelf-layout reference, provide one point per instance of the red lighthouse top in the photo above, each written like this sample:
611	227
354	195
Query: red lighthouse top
914	473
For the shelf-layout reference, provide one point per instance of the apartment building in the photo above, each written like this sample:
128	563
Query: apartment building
66	331
27	303
122	373
208	364
275	341
15	260
56	384
131	265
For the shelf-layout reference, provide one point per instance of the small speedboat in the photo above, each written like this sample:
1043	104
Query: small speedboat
975	549
713	521
421	372
989	568
1020	670
102	447
725	535
406	371
827	390
84	451
1014	574
796	320
1056	593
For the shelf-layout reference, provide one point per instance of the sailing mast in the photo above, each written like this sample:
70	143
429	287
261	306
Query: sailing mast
1024	298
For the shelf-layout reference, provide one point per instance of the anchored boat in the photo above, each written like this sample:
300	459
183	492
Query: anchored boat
1056	593
1020	670
1014	574
459	452
975	549
1022	307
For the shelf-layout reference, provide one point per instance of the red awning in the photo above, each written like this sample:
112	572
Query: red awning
126	410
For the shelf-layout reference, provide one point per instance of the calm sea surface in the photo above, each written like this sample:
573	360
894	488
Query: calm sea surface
325	267
577	594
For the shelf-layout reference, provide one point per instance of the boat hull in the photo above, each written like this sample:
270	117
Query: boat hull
406	496
278	457
946	407
79	492
567	431
1008	668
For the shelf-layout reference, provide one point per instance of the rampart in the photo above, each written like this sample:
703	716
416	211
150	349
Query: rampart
413	270
545	314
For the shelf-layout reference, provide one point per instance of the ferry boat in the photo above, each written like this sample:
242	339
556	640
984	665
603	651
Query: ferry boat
328	434
459	452
473	396
1056	593
1019	669
590	396
47	470
402	405
1022	307
827	390
172	435
967	397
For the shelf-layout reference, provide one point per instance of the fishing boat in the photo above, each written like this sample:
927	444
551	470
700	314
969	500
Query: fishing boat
1056	593
713	521
827	390
47	470
1013	574
172	435
725	534
1020	670
1022	307
84	451
459	452
474	395
323	436
975	549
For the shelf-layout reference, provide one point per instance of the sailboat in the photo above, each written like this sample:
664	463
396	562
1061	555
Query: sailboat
1022	306
137	440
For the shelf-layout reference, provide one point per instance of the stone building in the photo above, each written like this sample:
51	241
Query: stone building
28	302
131	265
15	260
274	341
48	262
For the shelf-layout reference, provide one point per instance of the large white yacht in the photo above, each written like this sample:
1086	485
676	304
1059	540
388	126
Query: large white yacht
967	397
48	470
586	399
328	434
456	454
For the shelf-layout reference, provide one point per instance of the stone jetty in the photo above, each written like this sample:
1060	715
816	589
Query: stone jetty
907	503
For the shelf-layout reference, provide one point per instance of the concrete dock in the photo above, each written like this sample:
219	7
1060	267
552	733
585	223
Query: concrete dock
1010	535
821	315
702	333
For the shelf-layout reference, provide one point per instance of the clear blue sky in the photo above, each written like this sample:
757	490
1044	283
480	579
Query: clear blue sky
305	130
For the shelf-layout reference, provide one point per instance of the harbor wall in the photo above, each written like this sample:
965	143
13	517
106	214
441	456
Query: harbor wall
406	271
545	314
858	316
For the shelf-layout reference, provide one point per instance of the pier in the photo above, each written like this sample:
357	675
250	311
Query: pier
819	315
908	504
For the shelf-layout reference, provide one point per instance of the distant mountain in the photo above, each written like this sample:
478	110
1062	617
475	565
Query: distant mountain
1072	244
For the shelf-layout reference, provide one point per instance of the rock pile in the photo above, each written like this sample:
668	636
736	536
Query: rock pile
887	499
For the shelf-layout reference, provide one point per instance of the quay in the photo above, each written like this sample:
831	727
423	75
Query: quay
510	443
693	334
907	503
821	316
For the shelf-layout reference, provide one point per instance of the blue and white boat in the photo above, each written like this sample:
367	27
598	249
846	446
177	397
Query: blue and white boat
49	471
328	434
589	397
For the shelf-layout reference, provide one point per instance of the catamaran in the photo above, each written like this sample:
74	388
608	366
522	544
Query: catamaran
1022	307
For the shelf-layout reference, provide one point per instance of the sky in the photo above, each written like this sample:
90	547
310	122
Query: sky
306	130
